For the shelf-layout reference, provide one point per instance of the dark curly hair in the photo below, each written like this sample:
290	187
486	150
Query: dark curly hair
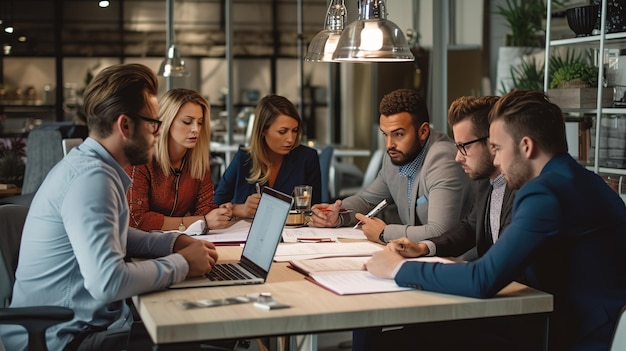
405	100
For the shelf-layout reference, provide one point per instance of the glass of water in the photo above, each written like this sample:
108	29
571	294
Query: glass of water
302	194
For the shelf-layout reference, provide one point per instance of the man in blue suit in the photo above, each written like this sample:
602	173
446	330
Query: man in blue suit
567	236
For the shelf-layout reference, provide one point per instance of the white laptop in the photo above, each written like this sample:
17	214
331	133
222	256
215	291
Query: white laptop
258	252
70	143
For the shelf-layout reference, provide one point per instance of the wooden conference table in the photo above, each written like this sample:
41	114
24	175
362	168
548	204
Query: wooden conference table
315	309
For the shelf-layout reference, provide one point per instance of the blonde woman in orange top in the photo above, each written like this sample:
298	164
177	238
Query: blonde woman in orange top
175	189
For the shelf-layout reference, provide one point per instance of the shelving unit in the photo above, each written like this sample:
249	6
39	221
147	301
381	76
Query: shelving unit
599	43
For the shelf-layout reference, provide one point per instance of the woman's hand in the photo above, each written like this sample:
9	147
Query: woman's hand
220	217
247	209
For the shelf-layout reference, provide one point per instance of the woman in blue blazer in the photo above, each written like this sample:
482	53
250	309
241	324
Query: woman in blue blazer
275	158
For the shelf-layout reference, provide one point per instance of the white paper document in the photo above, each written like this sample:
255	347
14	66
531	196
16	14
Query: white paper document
236	233
354	282
300	251
195	228
291	235
331	264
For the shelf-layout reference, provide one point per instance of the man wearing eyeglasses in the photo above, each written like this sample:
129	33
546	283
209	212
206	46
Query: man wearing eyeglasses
468	117
76	237
418	174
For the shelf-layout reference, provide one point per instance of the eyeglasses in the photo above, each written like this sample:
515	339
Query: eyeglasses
462	146
155	123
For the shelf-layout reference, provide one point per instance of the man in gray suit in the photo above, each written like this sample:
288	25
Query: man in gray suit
419	174
468	117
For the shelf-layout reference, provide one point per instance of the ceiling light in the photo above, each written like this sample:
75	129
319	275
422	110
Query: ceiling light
104	3
9	29
372	38
324	43
173	65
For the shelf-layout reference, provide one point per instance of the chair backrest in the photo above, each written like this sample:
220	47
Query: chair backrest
373	167
43	151
12	218
326	158
619	337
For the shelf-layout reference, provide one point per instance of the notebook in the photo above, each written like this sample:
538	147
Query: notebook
258	251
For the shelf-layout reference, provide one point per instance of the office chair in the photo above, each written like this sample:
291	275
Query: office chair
326	159
619	337
43	151
376	161
34	319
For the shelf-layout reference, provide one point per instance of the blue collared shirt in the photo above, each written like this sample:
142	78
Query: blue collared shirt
74	243
409	170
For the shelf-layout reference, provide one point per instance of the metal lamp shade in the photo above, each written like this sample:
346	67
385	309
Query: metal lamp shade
374	40
173	65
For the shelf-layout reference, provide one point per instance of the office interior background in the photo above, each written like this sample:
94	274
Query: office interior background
68	41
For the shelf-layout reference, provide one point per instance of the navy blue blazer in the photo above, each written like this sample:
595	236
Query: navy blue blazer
300	167
568	238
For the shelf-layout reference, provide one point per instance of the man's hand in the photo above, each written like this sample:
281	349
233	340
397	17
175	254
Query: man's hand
200	256
326	215
384	262
372	227
407	248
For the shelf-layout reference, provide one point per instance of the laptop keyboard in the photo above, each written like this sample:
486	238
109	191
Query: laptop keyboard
225	271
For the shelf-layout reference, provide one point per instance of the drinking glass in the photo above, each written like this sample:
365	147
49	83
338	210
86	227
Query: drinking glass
302	194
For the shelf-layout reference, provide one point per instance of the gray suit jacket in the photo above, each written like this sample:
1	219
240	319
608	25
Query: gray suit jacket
441	195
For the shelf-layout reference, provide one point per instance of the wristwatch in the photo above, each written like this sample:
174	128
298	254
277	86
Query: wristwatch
381	237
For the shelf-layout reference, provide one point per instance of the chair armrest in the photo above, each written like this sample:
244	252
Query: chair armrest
36	320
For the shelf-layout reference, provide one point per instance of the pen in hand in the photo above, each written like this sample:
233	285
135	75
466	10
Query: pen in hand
258	188
373	212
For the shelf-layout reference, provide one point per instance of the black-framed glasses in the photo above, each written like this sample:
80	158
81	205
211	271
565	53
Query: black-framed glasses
155	123
462	146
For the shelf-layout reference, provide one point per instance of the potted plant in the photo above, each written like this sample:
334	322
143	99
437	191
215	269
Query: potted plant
529	74
526	35
575	75
574	85
524	19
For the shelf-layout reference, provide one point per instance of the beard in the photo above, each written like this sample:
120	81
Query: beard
404	159
519	172
138	150
484	169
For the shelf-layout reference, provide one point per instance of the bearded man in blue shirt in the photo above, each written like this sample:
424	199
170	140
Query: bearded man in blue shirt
76	237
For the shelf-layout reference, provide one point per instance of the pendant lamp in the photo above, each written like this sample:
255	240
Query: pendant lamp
173	65
372	38
323	45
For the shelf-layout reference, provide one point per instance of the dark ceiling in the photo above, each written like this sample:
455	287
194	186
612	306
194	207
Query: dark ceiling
80	28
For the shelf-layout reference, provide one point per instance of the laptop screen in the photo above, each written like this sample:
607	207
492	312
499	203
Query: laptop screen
267	227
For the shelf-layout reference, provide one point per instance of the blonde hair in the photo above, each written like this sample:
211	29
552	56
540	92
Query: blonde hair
198	157
268	109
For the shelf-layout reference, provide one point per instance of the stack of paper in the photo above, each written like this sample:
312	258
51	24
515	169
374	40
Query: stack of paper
346	275
289	252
